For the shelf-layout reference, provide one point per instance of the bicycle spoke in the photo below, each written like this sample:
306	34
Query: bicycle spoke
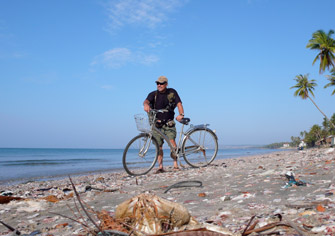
200	148
140	155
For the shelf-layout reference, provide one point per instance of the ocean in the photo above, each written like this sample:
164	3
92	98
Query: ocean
34	164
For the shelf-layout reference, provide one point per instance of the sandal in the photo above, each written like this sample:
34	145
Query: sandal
176	169
159	171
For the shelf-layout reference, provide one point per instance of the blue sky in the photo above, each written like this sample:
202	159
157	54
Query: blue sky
73	73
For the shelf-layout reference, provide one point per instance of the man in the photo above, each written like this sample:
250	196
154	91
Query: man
165	98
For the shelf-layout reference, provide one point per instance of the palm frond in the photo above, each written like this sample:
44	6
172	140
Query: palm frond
326	45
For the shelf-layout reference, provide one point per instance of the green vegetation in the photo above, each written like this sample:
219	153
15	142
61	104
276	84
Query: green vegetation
317	132
325	45
304	88
295	141
331	78
275	145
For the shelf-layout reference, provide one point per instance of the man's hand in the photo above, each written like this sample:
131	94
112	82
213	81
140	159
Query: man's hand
179	117
146	107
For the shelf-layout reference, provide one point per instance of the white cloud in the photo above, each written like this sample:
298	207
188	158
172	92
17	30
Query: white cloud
107	87
118	57
113	58
146	13
148	59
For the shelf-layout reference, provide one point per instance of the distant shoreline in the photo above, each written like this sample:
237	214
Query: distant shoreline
40	178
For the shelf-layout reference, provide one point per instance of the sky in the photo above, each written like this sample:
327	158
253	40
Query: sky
74	73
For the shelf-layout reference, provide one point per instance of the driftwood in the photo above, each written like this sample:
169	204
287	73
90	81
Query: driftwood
7	199
308	205
194	232
89	188
15	231
82	206
107	222
248	230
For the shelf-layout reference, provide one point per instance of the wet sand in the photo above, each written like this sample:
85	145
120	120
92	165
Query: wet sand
233	191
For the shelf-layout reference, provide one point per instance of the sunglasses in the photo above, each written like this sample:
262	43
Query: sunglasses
158	83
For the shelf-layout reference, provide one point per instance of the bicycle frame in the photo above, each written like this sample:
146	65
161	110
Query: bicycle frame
168	140
197	145
182	136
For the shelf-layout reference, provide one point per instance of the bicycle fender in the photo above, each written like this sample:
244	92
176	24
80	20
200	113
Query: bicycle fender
200	127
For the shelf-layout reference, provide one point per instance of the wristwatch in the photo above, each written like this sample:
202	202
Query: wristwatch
182	114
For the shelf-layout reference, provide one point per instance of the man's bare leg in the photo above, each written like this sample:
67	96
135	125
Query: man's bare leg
175	163
160	158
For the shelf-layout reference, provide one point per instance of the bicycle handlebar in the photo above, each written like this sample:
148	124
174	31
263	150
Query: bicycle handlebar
158	110
184	121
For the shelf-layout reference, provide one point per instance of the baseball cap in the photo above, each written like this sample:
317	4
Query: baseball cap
162	79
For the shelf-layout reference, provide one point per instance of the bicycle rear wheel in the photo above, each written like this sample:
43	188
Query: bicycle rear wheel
140	155
200	147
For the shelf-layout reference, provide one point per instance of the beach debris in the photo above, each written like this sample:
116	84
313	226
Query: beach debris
251	228
148	214
141	215
15	232
78	216
292	181
330	150
106	222
89	188
202	194
51	198
7	199
6	193
151	214
30	206
312	208
225	198
112	233
242	196
110	223
184	184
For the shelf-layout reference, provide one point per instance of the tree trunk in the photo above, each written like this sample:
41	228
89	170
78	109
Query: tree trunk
331	123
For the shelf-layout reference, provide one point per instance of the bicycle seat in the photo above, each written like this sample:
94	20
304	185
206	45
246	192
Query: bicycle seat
185	121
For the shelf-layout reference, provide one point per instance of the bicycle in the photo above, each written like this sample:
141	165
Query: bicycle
198	145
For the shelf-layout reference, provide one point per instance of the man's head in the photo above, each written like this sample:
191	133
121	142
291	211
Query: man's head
162	83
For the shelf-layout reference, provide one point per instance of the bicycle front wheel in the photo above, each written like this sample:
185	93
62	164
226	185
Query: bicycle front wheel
140	155
200	147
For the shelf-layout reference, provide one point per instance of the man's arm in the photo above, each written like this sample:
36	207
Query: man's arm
146	105
181	111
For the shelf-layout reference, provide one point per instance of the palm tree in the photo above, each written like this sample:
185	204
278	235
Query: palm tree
325	44
316	131
331	78
305	87
302	134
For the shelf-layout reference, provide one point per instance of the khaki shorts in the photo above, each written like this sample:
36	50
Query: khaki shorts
170	132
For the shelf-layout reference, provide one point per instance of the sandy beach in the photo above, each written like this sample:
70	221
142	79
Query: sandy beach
232	192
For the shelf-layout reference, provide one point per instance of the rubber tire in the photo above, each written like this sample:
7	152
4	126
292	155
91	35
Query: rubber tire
145	171
208	132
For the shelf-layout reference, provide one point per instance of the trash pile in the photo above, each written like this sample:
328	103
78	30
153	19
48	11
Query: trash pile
292	181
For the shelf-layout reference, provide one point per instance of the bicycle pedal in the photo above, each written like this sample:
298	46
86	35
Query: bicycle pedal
173	155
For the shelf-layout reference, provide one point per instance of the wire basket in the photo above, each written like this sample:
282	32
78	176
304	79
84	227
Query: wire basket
142	122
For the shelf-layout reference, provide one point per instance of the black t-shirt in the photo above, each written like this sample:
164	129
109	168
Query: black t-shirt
167	100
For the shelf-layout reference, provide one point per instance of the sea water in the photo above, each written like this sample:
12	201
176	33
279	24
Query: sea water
29	164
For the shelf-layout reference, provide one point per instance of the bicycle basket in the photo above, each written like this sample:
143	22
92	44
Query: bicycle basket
142	122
